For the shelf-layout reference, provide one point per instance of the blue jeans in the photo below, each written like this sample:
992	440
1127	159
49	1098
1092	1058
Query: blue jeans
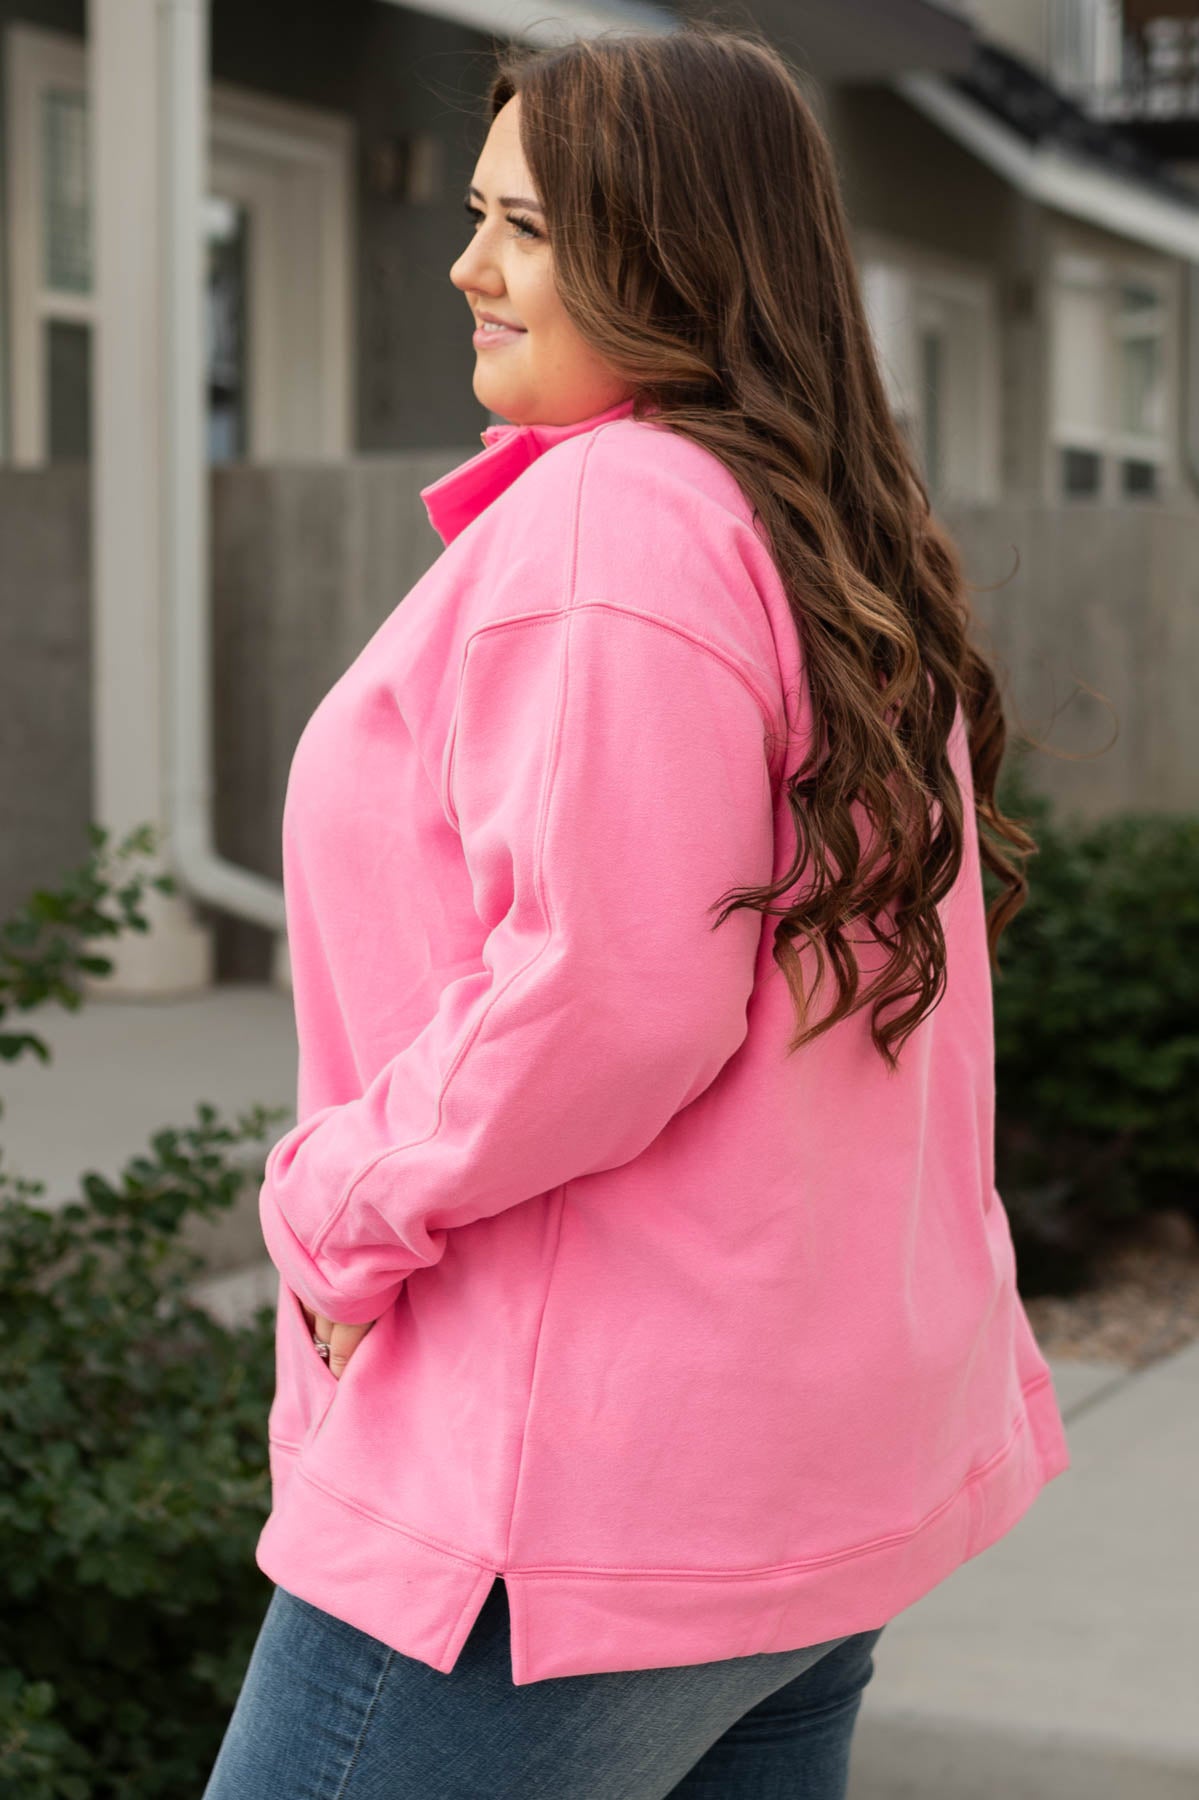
326	1712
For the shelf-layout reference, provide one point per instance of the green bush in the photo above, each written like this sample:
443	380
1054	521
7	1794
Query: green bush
1097	1034
133	1483
133	1466
43	950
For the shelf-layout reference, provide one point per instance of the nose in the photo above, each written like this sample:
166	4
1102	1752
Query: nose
475	269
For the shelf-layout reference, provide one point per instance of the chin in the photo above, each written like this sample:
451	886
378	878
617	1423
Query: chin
503	402
491	394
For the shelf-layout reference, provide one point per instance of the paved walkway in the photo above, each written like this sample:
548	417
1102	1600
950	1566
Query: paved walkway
1061	1664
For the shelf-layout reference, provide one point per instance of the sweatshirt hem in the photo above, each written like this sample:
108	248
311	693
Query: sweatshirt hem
422	1600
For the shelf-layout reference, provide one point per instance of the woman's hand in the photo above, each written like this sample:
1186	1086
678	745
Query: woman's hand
343	1340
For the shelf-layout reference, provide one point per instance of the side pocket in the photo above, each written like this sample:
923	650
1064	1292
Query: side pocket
306	1337
304	1383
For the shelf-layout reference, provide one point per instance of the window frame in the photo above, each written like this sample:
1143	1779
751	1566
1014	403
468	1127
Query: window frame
1108	270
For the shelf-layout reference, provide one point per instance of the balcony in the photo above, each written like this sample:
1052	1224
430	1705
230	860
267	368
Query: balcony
1153	88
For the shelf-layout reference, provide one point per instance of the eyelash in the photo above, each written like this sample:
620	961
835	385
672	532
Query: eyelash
476	212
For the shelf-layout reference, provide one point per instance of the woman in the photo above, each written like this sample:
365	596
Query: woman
641	1197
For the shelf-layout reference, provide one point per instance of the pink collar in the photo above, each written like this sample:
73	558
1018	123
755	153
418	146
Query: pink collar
456	498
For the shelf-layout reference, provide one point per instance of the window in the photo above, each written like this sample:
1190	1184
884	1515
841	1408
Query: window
1082	473
277	225
1110	348
66	235
227	225
933	323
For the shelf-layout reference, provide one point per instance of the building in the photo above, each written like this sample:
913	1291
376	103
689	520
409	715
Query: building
230	356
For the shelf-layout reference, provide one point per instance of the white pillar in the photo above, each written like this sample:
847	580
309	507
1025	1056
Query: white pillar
144	372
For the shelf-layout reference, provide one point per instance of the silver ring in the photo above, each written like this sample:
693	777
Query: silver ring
322	1349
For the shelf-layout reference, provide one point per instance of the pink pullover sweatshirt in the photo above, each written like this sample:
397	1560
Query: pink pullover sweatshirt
707	1350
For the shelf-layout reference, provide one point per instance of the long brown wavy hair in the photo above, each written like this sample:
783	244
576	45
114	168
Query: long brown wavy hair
700	244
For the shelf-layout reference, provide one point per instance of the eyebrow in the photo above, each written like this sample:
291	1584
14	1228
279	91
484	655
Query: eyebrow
506	199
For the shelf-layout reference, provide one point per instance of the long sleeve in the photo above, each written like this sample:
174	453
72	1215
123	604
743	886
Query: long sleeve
609	781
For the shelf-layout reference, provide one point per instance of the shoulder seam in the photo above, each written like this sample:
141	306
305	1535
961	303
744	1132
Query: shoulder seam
696	639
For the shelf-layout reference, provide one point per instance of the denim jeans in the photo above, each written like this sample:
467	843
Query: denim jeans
326	1712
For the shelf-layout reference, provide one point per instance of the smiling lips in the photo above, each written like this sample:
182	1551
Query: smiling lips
494	331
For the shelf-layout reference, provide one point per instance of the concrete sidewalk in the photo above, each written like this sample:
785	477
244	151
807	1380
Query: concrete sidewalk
122	1069
1061	1663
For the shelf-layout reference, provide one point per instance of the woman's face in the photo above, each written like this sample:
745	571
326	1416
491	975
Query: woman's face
541	372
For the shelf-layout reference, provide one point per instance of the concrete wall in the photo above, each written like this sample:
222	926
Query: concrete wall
307	561
45	684
1093	597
